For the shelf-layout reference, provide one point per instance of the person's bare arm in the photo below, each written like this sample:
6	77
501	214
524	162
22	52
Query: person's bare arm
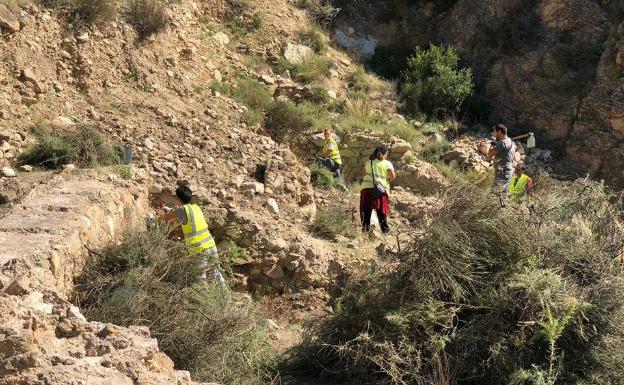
168	217
392	175
491	153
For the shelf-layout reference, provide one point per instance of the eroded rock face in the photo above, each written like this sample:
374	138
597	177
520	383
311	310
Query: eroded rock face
43	244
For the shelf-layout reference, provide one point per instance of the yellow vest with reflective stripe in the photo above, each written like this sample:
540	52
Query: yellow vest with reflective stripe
380	169
196	233
334	153
517	188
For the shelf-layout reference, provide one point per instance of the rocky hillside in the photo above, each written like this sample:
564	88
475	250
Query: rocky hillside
549	66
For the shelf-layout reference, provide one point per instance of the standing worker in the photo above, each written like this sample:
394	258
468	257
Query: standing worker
504	150
199	241
520	185
329	156
378	173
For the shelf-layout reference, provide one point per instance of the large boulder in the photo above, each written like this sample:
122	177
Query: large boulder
296	53
422	177
8	20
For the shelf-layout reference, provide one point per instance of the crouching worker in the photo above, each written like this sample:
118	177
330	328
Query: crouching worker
520	185
329	156
378	172
199	241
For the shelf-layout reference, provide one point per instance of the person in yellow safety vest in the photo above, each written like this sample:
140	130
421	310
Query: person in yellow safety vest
329	156
199	241
378	170
520	185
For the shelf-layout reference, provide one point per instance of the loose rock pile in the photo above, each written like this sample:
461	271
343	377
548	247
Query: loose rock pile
469	153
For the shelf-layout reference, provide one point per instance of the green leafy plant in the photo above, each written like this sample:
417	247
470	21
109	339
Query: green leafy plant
433	83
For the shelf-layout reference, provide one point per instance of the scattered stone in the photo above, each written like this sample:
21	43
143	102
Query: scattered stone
62	122
273	205
82	38
221	38
266	79
69	167
217	75
332	94
26	168
273	272
8	20
8	172
148	143
296	53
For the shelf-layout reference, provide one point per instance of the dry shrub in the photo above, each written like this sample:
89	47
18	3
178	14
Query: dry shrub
504	297
147	16
332	221
85	147
85	11
212	332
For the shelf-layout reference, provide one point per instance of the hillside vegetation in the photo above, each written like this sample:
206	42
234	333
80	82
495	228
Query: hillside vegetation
487	296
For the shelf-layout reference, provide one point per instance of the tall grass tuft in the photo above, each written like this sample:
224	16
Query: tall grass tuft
150	280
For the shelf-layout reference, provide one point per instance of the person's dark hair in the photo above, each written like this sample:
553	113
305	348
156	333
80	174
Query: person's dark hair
379	151
500	128
184	194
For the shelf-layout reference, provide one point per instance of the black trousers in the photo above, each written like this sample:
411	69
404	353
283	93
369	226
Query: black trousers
366	218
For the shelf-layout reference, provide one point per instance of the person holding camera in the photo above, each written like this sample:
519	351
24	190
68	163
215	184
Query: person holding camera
503	150
378	172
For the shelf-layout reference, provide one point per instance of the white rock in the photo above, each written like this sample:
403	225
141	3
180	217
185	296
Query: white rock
221	38
272	203
26	168
83	38
148	143
266	79
62	122
296	53
8	172
332	94
217	76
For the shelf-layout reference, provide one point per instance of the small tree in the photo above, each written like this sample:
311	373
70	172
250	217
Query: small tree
433	83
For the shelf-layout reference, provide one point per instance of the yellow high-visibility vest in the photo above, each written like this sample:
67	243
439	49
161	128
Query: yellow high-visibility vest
517	188
334	153
196	233
380	170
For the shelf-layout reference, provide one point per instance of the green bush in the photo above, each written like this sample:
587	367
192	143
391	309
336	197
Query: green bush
208	330
286	120
85	148
433	83
333	221
487	296
147	16
360	81
312	68
249	92
313	36
321	11
321	177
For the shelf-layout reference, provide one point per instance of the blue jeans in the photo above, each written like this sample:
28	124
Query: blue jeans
329	164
